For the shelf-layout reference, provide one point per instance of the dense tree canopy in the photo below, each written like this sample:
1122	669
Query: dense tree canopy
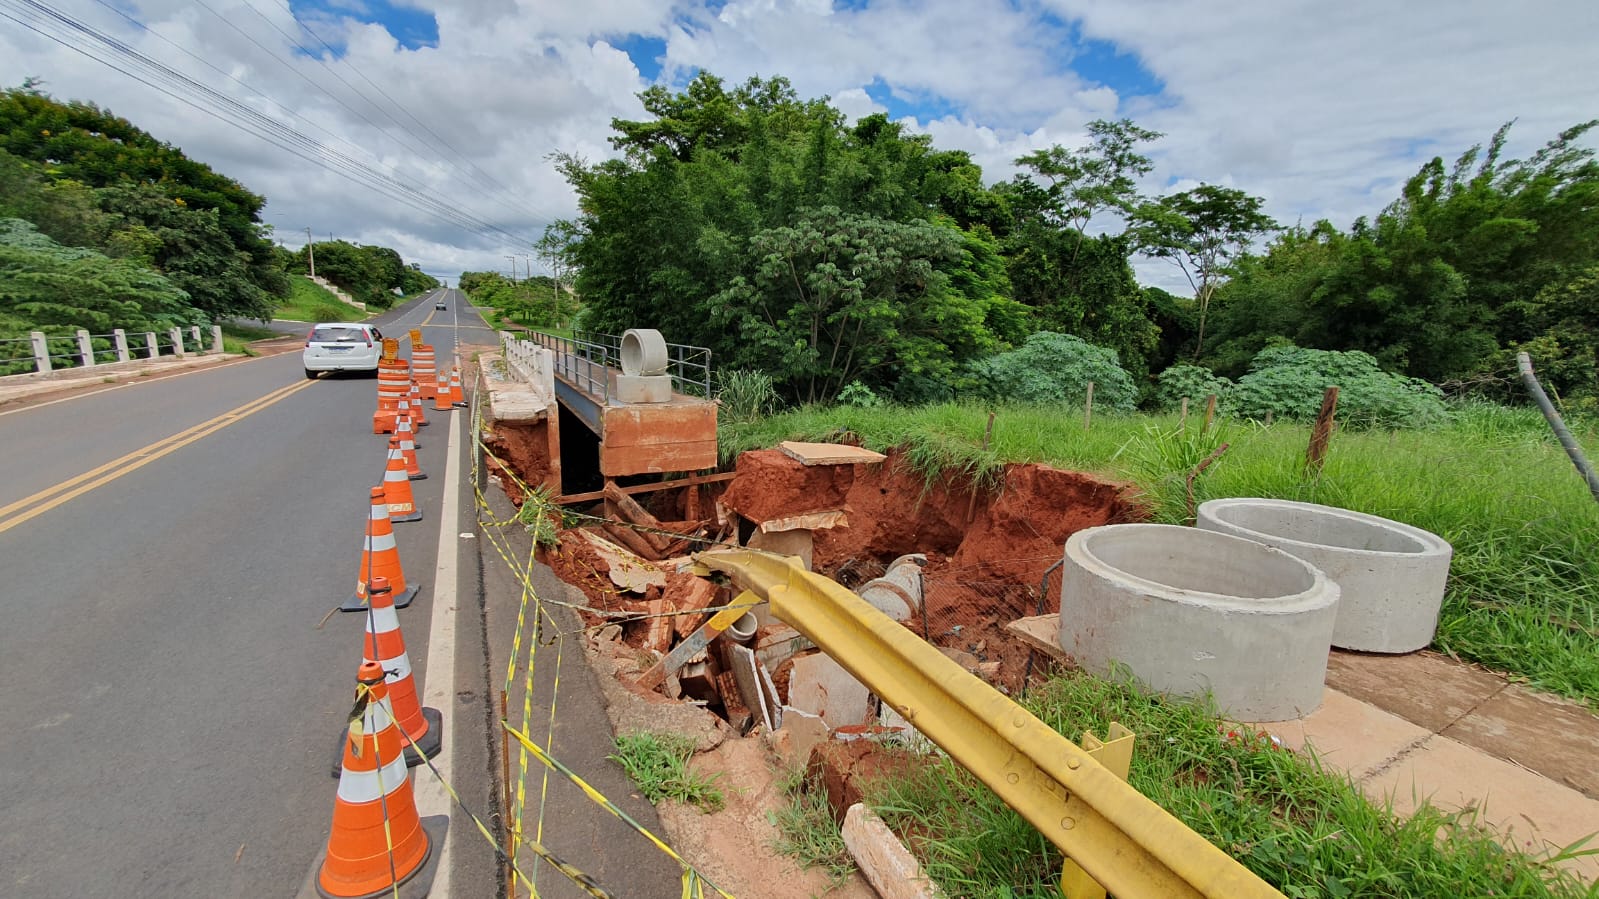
1471	261
826	253
201	228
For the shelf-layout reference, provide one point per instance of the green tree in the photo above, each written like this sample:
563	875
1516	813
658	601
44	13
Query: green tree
840	297
1201	230
1099	177
82	143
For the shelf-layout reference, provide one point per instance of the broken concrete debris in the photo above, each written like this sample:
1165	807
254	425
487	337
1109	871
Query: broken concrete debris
820	685
885	862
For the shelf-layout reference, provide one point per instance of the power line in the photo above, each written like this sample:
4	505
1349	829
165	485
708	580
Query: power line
252	122
488	178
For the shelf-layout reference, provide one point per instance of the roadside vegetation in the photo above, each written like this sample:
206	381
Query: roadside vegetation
311	302
658	764
104	226
1306	831
236	338
1523	592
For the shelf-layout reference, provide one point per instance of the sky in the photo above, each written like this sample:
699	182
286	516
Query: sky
1323	109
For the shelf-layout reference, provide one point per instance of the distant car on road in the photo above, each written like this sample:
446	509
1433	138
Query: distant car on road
440	304
342	346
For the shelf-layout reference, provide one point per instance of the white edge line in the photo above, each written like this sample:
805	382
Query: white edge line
439	690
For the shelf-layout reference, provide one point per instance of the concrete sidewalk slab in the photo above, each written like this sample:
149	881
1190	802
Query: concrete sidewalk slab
1349	735
1554	737
1529	811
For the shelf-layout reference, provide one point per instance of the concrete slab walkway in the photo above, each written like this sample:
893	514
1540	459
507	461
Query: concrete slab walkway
1425	726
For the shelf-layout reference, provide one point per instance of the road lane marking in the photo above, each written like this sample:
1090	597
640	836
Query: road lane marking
439	685
30	507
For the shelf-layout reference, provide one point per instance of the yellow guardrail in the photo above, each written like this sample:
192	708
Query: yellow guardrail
1130	845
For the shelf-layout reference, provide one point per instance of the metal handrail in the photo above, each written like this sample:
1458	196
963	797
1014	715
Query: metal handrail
583	363
688	365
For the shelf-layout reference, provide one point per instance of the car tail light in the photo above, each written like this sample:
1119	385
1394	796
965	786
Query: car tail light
368	337
308	335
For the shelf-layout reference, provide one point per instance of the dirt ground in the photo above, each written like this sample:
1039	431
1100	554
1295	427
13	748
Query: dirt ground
986	557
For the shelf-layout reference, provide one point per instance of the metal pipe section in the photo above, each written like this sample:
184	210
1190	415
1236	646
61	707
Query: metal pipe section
1557	424
1130	845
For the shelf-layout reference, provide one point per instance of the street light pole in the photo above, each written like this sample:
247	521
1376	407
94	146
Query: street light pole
310	249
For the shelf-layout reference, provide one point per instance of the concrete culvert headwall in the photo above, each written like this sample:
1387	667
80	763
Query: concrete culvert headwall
1188	611
1391	575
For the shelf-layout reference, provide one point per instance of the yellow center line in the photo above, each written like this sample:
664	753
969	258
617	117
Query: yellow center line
30	507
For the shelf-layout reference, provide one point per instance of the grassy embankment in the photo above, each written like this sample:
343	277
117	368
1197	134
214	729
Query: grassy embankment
1306	831
1524	585
1523	597
310	302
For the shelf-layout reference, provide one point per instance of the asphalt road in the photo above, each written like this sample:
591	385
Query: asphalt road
169	704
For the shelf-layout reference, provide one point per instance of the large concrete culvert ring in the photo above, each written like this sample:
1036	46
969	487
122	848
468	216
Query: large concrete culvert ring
643	352
1391	575
1188	611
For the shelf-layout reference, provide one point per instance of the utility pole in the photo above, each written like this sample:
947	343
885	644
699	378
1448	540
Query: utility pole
513	268
310	249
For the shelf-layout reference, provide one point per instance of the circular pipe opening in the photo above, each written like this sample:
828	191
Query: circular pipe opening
1317	525
1203	563
643	352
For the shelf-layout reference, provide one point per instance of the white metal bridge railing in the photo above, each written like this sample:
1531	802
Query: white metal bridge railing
42	353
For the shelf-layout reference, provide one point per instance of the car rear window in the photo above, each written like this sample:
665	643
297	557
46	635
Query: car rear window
336	334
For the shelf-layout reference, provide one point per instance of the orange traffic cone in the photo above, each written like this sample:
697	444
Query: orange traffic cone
457	395
408	449
418	418
380	558
421	729
441	396
397	487
379	841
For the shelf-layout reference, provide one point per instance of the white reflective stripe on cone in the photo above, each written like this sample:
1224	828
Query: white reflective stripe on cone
364	786
382	620
380	542
395	474
379	511
397	668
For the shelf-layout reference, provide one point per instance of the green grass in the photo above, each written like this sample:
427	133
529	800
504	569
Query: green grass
1523	592
309	302
236	338
806	831
658	763
1306	831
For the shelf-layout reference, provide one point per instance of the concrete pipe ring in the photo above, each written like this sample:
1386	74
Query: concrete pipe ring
643	352
1391	575
1189	612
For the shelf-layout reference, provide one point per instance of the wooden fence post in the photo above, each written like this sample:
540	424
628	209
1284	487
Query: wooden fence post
1321	432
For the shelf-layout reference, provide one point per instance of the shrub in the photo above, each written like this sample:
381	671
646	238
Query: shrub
1054	368
857	394
1195	382
1288	381
746	395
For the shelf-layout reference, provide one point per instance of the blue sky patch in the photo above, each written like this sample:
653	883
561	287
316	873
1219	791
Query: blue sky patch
924	106
646	53
411	27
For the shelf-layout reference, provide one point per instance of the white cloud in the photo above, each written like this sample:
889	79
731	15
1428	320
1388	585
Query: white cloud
1323	109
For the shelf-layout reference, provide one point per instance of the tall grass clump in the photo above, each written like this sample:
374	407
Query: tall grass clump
1306	831
658	763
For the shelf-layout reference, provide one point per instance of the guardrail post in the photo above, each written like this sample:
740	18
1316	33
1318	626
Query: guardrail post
216	338
121	338
177	342
41	351
151	346
194	330
85	348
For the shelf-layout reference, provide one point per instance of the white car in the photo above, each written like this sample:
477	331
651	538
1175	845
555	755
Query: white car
342	346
